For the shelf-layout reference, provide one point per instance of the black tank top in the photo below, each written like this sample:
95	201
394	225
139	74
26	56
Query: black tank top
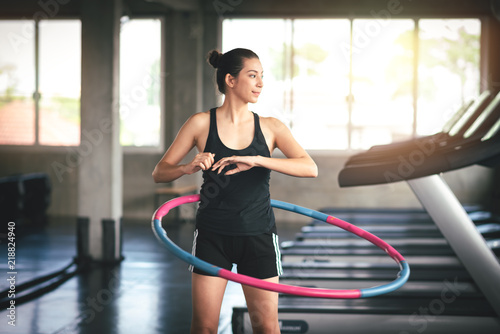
236	204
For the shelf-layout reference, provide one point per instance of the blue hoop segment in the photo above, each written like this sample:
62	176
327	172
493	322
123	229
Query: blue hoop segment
402	276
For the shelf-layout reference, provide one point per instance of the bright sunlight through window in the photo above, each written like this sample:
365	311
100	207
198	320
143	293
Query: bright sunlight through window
350	84
44	111
140	81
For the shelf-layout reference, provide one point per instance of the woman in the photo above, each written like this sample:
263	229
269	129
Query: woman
235	222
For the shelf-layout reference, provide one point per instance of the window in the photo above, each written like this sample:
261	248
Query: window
382	100
320	83
354	83
448	70
60	63
17	84
140	83
40	80
40	86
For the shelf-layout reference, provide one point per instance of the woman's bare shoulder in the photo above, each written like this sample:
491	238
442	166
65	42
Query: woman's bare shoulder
272	124
198	120
202	117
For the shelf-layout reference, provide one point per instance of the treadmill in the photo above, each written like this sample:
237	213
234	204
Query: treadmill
488	231
464	312
479	144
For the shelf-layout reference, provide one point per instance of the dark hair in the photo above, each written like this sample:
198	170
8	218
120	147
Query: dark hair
230	62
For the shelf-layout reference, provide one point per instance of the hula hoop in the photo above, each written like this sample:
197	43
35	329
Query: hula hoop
402	276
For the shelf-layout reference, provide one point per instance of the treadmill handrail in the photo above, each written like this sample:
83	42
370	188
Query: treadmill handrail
455	118
492	106
458	127
492	132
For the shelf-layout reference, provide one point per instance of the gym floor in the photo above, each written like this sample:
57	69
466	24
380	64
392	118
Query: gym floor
148	293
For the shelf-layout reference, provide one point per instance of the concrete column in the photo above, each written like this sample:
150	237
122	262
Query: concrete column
100	170
185	67
212	39
184	62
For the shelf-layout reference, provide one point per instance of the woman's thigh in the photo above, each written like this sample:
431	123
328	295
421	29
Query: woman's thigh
207	294
263	308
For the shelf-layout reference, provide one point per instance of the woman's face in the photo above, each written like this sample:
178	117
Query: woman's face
248	85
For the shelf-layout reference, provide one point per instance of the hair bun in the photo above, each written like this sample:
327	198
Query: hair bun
214	58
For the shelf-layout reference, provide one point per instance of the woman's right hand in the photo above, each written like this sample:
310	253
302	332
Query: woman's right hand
202	161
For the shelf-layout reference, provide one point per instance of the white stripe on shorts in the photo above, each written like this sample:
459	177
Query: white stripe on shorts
193	251
279	268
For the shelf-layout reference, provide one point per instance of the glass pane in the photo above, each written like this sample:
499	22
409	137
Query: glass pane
17	83
60	67
448	70
382	85
254	34
321	83
140	110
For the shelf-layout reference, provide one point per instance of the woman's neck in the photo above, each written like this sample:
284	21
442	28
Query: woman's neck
234	111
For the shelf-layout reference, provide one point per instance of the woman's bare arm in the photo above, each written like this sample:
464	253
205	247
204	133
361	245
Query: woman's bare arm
169	168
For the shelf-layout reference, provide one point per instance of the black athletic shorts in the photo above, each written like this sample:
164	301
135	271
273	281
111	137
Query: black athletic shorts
256	256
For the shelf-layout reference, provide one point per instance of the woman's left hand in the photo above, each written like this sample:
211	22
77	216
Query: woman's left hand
242	163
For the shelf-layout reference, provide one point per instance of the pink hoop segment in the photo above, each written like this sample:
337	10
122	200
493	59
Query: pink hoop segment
401	279
366	235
